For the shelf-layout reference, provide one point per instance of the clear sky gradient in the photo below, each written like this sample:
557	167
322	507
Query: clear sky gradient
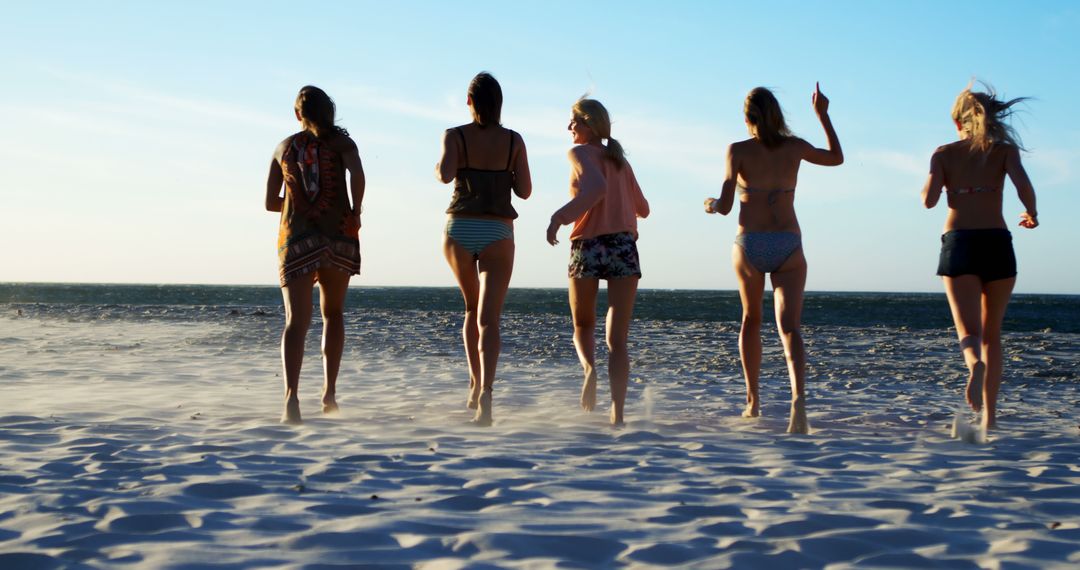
138	135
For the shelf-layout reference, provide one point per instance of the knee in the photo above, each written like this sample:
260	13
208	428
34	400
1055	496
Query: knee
616	343
488	323
751	321
787	329
333	317
792	340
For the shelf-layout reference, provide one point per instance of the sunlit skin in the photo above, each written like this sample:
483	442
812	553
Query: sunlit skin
485	280
752	165
978	308
298	292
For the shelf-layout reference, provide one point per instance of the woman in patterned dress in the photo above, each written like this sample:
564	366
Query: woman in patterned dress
318	237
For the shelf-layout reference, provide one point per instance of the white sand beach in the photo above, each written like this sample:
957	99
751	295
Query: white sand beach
155	444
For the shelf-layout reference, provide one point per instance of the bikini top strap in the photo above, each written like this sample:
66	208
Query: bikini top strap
510	155
464	147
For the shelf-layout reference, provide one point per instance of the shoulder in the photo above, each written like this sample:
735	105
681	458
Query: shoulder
516	137
279	150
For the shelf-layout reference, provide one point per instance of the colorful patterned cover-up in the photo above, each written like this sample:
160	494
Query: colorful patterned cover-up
317	226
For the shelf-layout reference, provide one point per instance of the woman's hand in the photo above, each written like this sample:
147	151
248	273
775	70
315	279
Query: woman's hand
1029	220
553	228
710	205
819	101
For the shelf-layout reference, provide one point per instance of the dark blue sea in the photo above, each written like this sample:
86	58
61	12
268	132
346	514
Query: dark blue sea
1044	313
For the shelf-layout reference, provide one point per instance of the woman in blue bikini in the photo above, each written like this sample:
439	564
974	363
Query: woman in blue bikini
487	163
977	262
764	170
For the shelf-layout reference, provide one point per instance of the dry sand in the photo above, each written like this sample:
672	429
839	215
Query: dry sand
155	445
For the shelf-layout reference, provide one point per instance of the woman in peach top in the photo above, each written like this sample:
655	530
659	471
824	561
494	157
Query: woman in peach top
605	204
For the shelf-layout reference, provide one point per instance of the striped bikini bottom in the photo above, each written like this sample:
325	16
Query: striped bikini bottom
476	234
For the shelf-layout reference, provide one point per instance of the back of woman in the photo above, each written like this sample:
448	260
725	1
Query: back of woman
763	171
977	263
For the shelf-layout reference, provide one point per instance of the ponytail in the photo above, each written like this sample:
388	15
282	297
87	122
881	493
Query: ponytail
596	117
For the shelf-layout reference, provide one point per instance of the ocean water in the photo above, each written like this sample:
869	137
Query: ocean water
917	311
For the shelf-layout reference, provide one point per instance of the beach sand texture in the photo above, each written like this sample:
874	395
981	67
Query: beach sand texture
154	443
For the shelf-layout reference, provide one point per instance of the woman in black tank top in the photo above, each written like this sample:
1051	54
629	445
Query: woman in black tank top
487	163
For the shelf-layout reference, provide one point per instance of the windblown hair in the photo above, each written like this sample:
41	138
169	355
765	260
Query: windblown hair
317	112
764	114
983	118
596	117
487	99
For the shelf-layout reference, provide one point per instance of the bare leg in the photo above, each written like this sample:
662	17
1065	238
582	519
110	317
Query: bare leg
496	265
995	298
751	291
333	286
464	268
297	295
789	285
965	300
621	295
583	308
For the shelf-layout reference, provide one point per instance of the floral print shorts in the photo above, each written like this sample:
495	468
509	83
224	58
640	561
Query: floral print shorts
609	256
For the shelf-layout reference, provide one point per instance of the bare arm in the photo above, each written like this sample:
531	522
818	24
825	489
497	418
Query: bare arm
446	169
522	177
357	182
1024	190
931	192
274	180
726	201
834	155
592	186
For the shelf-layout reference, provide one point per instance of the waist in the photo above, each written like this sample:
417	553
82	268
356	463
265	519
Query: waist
491	217
977	234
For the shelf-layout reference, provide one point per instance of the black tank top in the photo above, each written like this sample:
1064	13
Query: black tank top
483	192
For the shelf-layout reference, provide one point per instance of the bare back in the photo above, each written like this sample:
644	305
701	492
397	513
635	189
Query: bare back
766	180
974	184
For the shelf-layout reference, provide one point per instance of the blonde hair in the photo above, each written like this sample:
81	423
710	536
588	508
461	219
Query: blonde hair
596	117
317	111
764	114
982	117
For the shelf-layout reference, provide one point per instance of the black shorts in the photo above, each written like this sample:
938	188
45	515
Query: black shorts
985	253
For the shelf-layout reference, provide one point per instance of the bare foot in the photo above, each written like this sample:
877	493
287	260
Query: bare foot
483	417
474	394
588	391
329	404
616	415
975	386
291	415
798	422
753	410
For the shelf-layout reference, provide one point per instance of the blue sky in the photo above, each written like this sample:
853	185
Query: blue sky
138	135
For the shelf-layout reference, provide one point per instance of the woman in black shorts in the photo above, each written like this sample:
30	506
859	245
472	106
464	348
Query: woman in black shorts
977	262
605	205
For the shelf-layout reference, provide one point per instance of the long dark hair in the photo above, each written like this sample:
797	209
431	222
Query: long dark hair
317	111
764	114
487	98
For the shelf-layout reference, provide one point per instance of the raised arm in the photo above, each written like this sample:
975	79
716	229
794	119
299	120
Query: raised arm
522	177
446	169
357	182
726	201
585	173
1024	190
274	180
834	155
931	191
